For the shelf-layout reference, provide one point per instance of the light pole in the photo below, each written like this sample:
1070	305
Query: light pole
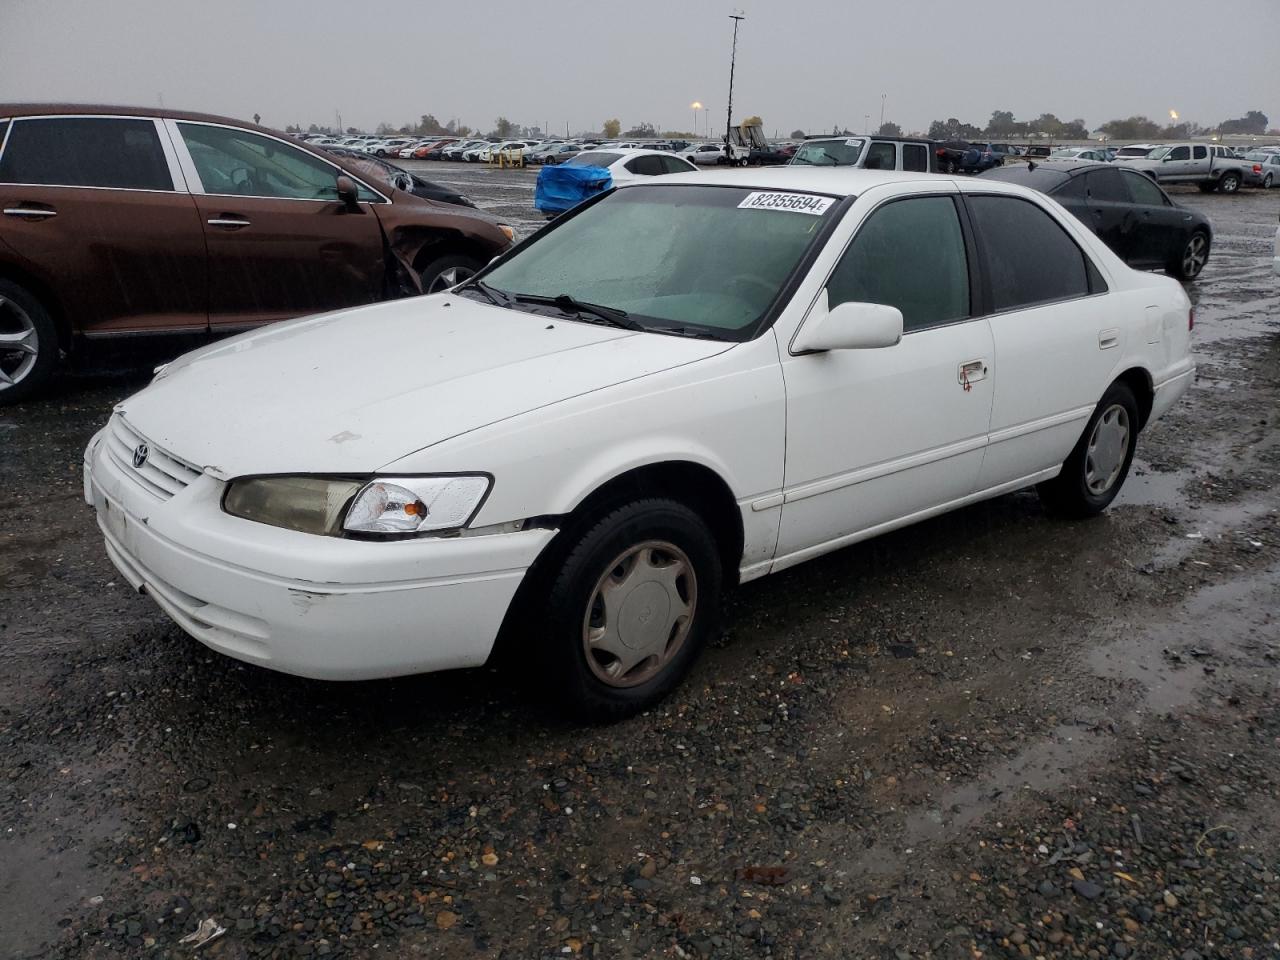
882	96
737	18
695	107
866	123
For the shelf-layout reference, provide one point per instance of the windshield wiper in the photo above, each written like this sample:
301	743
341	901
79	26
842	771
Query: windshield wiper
698	333
602	314
498	297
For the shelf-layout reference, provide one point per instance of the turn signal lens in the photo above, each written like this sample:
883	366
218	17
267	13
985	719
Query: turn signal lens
407	505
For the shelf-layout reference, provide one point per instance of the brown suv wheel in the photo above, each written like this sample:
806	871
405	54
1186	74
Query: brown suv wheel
28	343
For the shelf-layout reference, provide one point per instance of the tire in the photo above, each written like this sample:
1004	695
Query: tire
1191	258
645	539
28	344
1266	182
448	271
1229	183
1096	469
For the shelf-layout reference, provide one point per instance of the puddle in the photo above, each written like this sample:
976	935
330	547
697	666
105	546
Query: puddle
1149	488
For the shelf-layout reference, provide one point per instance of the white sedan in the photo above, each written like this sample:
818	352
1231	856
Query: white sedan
689	383
626	164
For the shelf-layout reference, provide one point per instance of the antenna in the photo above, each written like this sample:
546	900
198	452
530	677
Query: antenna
737	18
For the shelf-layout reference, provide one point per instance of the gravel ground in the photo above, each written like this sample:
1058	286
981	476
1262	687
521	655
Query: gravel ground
990	735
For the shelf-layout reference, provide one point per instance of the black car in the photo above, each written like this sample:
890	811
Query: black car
399	177
1127	210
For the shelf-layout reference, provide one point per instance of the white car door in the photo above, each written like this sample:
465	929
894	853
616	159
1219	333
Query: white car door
884	435
1056	337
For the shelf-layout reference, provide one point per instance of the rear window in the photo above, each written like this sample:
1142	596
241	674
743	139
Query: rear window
85	152
600	158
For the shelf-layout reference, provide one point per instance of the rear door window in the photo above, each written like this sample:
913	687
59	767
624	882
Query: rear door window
1105	186
86	152
915	157
647	166
909	254
1200	153
1141	189
1030	258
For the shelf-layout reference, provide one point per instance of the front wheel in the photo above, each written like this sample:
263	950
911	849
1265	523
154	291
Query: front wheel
1096	469
447	272
1229	182
28	344
630	607
1195	254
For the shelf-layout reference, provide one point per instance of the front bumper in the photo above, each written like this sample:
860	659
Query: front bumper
314	606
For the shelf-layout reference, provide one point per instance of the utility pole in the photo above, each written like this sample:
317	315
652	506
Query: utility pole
882	96
737	18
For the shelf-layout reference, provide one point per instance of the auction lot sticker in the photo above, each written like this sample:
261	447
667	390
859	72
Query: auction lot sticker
791	202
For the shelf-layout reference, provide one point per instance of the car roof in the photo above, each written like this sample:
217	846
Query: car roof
111	110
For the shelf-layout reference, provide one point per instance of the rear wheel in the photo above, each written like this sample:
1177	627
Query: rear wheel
1096	469
1266	182
1229	182
1194	255
448	271
28	344
629	609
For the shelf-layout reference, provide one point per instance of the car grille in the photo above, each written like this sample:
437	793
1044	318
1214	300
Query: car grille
161	473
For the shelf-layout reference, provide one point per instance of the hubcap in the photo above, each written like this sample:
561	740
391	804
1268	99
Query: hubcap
1195	256
640	613
448	279
1108	447
19	344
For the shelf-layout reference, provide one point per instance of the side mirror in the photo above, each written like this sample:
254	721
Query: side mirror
348	192
850	326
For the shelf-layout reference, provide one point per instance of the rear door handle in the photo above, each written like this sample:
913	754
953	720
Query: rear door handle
228	221
30	212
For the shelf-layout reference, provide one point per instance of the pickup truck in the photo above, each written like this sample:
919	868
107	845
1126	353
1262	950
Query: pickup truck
1208	165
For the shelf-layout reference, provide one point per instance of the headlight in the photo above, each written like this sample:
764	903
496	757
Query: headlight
416	504
391	506
306	504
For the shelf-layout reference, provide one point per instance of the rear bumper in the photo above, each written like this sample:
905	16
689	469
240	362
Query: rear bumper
313	606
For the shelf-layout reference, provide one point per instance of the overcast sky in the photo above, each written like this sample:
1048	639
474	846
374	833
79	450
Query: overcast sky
801	63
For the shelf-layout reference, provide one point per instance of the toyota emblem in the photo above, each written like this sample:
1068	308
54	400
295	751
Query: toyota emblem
140	455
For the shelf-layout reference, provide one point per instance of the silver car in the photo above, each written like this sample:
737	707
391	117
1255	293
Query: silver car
1268	175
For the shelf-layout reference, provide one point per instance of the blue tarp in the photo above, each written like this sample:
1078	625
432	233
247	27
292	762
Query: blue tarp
563	187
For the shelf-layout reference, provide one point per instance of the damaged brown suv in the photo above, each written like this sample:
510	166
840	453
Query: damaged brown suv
122	221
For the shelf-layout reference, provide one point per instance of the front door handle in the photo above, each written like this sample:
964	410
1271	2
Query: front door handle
228	221
39	212
971	371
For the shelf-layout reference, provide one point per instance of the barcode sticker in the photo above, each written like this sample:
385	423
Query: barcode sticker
789	202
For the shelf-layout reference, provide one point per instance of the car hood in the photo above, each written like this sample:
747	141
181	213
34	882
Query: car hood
351	392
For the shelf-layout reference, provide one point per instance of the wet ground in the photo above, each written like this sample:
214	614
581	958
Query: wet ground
993	734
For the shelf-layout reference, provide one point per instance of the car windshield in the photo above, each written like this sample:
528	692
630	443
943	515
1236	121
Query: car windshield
689	259
1132	152
1159	153
601	159
1068	152
830	153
